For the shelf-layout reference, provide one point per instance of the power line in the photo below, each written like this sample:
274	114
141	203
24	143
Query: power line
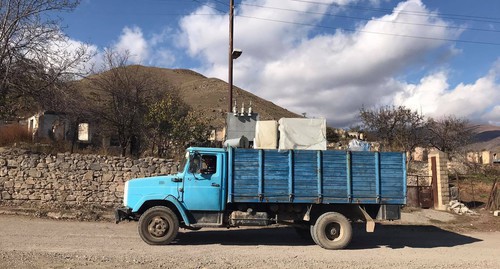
378	20
354	30
376	33
207	5
223	3
415	13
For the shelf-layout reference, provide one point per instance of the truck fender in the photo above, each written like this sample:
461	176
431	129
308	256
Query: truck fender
180	208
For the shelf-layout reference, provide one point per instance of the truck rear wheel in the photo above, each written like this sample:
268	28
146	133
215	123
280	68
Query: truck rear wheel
332	231
158	225
313	236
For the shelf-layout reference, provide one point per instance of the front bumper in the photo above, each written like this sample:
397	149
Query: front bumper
124	213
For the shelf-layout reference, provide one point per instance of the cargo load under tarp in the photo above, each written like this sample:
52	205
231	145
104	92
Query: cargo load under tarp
266	135
302	133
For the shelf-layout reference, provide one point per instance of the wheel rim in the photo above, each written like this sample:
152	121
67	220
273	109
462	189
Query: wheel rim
333	231
158	227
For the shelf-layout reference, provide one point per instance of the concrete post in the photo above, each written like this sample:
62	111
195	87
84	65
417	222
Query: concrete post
443	188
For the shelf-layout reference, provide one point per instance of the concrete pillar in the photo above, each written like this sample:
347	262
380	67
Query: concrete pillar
443	188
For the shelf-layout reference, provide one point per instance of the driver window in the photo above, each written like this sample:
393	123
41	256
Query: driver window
208	164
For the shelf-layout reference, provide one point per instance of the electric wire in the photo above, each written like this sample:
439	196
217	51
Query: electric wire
354	30
378	20
377	33
415	13
210	6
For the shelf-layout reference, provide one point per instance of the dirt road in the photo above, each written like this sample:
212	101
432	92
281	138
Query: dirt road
27	242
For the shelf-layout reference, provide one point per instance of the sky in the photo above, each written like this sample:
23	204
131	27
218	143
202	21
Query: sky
325	58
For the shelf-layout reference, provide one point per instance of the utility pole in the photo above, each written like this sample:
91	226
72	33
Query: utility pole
230	79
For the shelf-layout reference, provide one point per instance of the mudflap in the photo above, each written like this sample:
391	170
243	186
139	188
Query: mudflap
123	213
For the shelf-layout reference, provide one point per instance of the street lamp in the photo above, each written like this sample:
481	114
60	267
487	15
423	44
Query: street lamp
236	53
233	54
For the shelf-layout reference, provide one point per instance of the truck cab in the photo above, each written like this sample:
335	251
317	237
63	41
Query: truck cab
198	186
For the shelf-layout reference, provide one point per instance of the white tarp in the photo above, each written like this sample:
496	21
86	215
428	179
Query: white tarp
266	135
302	133
358	145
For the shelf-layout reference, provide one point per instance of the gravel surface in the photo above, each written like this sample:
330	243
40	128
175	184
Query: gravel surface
27	242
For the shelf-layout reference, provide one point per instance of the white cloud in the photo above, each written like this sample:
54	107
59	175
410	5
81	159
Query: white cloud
72	56
163	57
478	101
153	50
493	116
133	42
327	74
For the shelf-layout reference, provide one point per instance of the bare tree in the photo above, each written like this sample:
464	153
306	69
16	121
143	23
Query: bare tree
331	135
449	133
35	56
398	128
120	95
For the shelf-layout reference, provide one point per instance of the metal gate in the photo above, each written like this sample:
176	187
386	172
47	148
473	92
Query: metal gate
434	182
420	191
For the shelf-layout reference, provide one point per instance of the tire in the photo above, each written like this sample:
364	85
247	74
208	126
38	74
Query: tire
158	226
313	236
332	231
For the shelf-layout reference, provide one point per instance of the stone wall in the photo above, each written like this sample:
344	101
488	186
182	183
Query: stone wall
67	180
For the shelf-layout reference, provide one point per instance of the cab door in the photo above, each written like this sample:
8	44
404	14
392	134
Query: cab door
203	183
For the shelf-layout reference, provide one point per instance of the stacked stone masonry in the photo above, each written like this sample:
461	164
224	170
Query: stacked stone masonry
442	178
68	180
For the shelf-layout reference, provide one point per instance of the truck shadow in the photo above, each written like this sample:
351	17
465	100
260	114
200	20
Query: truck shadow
412	236
243	236
391	236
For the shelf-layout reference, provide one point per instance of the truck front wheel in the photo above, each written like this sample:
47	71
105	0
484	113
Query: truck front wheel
158	225
332	231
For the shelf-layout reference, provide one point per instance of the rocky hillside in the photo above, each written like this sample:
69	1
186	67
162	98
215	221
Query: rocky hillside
487	137
209	96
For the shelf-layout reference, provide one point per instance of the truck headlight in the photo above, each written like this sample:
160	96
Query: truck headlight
125	194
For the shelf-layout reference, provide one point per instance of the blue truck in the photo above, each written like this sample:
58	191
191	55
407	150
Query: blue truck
319	193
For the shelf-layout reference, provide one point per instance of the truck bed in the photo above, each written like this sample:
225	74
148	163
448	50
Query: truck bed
306	176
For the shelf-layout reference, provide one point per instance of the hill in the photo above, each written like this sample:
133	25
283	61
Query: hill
486	137
208	96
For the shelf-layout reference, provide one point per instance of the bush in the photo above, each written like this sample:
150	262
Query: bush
13	133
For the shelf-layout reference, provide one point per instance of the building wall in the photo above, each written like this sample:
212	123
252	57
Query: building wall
48	125
487	157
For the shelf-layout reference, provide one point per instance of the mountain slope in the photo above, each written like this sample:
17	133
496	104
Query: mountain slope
486	137
208	96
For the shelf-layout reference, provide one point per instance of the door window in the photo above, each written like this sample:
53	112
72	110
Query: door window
208	164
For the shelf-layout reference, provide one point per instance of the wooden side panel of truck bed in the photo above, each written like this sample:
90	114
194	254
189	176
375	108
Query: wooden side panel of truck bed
305	176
